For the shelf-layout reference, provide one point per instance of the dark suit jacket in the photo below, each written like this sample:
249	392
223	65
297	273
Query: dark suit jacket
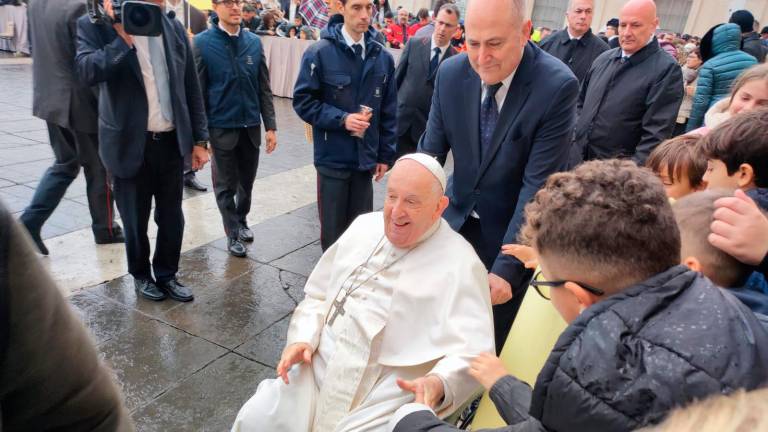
530	143
627	108
103	58
415	86
197	21
58	96
578	54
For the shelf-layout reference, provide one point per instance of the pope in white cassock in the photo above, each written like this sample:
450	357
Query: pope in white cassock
394	310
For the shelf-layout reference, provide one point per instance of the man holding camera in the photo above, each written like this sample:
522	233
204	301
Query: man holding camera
235	81
150	114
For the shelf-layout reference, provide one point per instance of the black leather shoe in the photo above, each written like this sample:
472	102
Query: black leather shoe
236	248
147	289
39	243
191	182
176	291
245	234
116	237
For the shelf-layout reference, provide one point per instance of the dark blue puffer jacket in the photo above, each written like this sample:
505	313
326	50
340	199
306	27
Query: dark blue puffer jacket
717	74
330	85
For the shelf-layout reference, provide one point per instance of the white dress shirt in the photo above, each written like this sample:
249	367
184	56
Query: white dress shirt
293	10
155	122
443	49
237	33
179	10
348	39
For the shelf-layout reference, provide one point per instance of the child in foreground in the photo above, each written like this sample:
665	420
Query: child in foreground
645	334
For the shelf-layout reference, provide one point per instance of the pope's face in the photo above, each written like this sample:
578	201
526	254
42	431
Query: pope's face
413	204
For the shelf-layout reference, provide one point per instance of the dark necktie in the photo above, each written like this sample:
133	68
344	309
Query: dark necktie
489	115
358	52
434	62
405	34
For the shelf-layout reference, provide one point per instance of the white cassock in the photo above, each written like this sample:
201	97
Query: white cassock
414	312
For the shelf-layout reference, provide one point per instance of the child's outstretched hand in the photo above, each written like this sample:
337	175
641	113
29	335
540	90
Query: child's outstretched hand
525	254
487	369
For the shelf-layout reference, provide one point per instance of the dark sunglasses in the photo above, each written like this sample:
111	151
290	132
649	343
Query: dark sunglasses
537	284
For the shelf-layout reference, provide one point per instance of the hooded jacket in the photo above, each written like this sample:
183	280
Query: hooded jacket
331	85
629	359
718	73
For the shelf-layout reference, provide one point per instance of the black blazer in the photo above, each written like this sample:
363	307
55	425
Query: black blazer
578	54
415	86
627	108
103	58
531	141
58	96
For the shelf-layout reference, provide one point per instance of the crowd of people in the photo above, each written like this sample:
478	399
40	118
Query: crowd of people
621	175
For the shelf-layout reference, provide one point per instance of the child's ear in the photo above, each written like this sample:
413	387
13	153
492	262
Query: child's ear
584	297
692	263
746	176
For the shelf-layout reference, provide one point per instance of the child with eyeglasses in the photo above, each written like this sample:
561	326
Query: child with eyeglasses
645	333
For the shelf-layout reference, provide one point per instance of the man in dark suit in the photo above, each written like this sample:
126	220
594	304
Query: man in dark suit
631	96
150	114
576	45
415	77
69	108
236	101
505	110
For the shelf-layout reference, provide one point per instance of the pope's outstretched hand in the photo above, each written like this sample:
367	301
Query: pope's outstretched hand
292	354
428	390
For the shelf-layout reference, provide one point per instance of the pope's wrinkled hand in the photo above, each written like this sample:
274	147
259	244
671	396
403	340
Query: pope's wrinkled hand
293	354
428	390
501	290
487	369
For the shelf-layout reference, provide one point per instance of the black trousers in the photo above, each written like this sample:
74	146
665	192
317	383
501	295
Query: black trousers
406	144
503	314
341	197
234	170
72	150
161	178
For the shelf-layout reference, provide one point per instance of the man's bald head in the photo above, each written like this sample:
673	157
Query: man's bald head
495	39
414	202
516	8
637	23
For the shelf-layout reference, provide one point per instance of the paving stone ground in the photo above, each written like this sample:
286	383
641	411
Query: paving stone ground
182	367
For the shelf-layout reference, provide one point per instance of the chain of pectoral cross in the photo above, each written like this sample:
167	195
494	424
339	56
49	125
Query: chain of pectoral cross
338	305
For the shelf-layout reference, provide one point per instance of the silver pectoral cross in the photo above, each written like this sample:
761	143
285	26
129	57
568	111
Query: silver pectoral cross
338	309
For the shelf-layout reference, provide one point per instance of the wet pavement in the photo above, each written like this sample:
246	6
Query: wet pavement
182	366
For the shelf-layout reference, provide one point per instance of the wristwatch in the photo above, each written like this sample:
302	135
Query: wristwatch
203	144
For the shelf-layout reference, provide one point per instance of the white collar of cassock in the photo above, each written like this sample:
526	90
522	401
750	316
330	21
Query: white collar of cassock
424	237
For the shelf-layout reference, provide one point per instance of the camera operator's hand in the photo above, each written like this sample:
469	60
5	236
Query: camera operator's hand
199	157
117	26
